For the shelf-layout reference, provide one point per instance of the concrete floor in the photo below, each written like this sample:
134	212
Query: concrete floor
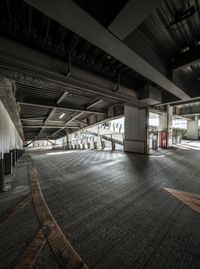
111	206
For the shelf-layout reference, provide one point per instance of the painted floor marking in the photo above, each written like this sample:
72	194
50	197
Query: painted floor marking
64	253
32	251
190	199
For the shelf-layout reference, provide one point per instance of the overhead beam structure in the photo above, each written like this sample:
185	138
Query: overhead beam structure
66	13
32	118
50	104
50	126
130	17
51	113
46	70
76	116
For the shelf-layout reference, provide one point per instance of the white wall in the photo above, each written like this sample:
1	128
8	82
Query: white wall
9	137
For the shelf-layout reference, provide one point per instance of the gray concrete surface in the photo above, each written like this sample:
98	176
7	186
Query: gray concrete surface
112	208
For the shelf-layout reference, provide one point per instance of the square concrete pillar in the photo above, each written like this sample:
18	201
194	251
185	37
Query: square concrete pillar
8	163
192	129
136	130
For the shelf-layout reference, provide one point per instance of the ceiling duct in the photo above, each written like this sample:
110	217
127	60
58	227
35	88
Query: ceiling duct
150	95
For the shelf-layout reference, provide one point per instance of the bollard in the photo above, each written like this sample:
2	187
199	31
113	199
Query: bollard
3	185
95	145
2	172
15	153
8	163
102	144
13	157
113	145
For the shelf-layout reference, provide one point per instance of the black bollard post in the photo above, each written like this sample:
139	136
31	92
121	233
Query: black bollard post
3	185
8	163
13	157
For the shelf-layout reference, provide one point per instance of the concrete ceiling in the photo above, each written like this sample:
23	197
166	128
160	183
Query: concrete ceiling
86	61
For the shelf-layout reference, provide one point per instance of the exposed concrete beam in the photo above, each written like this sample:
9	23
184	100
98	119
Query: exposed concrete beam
50	127
32	119
47	119
78	115
181	117
50	142
30	67
66	13
138	43
134	13
95	103
81	122
28	144
50	104
52	112
175	103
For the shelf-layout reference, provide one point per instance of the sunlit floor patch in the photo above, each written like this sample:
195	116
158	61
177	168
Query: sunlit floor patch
61	152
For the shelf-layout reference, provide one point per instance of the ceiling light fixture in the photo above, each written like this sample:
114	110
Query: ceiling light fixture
185	49
62	115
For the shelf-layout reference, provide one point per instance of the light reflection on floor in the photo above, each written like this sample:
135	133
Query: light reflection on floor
188	145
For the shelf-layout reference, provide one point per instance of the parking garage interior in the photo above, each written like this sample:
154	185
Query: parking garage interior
99	134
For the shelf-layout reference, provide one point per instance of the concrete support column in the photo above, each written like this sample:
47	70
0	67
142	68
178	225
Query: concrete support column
136	130
192	128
